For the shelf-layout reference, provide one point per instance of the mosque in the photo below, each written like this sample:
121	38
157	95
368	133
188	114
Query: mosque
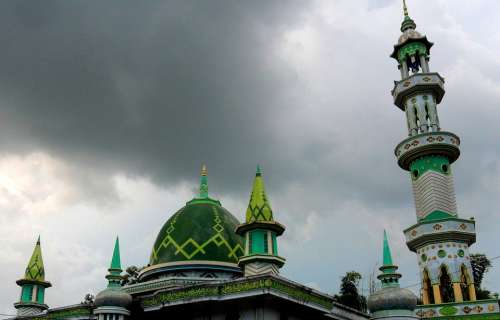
205	264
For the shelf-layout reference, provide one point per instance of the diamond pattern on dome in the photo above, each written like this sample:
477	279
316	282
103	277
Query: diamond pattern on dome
200	231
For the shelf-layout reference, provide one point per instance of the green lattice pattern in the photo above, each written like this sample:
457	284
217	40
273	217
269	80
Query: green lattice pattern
259	208
202	230
35	270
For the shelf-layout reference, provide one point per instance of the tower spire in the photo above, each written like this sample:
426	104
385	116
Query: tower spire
389	277
33	285
259	208
204	182
261	233
387	251
115	269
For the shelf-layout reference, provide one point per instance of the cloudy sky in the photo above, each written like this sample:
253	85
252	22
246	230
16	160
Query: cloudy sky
108	109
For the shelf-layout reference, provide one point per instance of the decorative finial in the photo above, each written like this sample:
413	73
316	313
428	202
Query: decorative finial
38	241
259	171
405	9
204	182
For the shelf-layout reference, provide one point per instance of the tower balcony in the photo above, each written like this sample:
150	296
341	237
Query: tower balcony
429	143
418	82
442	230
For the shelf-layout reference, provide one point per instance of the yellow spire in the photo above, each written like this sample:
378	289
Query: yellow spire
259	208
35	270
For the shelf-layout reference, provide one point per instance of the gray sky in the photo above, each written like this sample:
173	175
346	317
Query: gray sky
108	109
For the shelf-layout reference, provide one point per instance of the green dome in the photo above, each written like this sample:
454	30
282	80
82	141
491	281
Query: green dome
201	231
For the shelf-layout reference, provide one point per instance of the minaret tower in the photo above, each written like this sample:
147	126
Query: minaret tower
440	238
260	232
33	286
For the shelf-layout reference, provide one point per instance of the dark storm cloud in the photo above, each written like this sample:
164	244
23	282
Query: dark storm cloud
144	87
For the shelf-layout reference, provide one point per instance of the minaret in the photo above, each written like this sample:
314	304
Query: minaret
33	286
440	238
113	302
260	232
391	301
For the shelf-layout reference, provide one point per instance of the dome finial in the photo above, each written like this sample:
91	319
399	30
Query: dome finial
405	8
204	182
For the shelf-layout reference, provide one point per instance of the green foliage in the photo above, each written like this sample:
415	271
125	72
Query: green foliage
480	265
349	295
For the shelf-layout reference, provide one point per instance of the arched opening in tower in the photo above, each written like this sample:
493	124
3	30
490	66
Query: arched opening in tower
428	294
446	286
464	282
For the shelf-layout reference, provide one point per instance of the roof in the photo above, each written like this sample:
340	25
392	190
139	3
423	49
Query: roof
259	208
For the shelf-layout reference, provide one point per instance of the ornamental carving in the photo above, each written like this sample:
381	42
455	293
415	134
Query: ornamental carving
414	233
426	79
430	139
439	138
491	307
478	309
437	227
467	309
463	226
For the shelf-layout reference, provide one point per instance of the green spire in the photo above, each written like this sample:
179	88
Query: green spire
389	277
259	208
115	269
387	251
115	261
35	270
204	182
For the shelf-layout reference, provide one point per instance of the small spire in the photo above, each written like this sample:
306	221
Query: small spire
259	208
115	269
387	251
389	276
115	261
35	269
204	182
405	9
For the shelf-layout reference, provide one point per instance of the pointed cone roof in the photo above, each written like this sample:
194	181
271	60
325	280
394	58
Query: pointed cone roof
259	208
115	269
203	182
387	251
35	270
389	276
115	261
